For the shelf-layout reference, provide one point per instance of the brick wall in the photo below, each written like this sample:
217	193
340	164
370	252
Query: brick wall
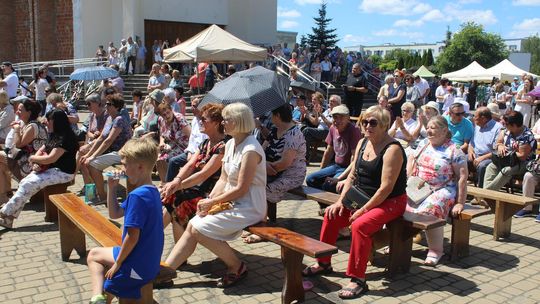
36	30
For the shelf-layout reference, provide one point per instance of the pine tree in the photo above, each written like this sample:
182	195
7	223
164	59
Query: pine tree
429	58
321	33
400	63
303	40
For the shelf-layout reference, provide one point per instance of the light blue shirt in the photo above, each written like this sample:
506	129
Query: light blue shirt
461	132
484	138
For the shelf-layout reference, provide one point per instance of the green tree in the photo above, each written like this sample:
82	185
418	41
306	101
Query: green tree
376	59
470	44
303	41
428	60
532	45
400	63
321	33
417	60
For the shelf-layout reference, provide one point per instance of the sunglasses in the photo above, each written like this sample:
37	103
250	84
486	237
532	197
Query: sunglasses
372	123
458	114
108	104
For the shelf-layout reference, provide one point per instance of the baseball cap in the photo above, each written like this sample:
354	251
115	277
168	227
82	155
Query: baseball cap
516	78
7	63
340	110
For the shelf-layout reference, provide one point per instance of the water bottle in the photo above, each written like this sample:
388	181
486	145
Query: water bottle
89	193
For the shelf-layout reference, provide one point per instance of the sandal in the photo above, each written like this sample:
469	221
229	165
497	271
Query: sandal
252	239
433	259
353	293
324	268
230	279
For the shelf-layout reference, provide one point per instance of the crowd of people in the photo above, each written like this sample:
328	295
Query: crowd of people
226	169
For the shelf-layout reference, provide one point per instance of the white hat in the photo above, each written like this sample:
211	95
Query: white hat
340	110
433	105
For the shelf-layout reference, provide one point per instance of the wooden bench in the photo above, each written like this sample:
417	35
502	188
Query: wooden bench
461	228
51	212
398	235
76	219
505	205
293	248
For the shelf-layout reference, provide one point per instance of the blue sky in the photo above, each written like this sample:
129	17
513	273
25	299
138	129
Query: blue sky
371	22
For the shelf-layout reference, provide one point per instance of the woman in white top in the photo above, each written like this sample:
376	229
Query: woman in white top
403	127
39	85
500	97
242	182
524	103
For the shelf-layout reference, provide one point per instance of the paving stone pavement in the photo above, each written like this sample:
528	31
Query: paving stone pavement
508	271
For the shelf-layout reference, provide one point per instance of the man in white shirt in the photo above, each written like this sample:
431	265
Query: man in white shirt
441	92
423	87
10	83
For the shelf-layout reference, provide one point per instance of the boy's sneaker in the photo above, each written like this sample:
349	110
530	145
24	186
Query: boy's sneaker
537	219
523	213
98	299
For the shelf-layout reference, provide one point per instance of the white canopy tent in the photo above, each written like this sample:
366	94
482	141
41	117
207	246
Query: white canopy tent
473	71
214	45
505	71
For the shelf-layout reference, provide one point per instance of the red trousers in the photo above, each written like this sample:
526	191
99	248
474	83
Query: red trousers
361	231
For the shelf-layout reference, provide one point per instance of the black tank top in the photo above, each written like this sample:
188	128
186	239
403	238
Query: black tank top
369	172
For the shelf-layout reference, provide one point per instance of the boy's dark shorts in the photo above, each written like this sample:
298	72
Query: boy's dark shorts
122	284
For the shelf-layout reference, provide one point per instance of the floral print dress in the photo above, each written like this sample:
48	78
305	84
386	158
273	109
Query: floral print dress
434	165
175	139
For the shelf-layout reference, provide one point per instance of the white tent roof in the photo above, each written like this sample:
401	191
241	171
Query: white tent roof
473	71
505	71
216	45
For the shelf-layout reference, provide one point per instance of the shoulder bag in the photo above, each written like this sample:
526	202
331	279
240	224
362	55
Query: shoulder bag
356	198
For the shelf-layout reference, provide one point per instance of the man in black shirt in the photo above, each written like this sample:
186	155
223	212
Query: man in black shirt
354	90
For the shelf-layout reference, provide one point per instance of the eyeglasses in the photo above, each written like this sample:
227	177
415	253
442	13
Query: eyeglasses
458	114
372	123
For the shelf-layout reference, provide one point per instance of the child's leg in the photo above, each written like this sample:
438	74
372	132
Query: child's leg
162	170
98	260
97	176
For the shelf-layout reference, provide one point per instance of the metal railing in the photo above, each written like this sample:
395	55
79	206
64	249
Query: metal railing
284	66
61	68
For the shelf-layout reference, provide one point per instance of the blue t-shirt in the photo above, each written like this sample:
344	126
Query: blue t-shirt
142	209
461	132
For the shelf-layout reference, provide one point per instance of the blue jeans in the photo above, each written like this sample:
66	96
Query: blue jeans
317	179
175	164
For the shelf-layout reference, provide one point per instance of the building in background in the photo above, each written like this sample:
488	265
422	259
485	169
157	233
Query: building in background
41	30
286	37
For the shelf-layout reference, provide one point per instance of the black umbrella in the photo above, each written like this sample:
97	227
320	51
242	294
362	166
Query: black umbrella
261	89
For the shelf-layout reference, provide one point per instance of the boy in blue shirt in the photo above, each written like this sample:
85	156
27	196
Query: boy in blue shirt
137	261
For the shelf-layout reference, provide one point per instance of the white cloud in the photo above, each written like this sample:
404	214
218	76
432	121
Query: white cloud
287	24
433	15
408	23
398	33
287	13
350	38
394	7
304	2
526	2
478	16
468	1
526	28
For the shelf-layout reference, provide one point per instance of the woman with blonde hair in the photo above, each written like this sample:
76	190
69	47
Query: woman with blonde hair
388	88
443	166
242	184
379	172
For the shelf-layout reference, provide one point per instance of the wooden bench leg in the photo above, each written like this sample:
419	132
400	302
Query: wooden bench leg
271	211
51	212
503	219
460	238
292	287
400	248
71	237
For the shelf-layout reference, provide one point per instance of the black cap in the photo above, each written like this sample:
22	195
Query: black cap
7	63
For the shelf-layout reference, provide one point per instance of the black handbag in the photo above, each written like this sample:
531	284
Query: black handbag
356	198
508	160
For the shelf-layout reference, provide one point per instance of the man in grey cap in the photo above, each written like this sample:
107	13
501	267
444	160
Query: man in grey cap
10	83
341	141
